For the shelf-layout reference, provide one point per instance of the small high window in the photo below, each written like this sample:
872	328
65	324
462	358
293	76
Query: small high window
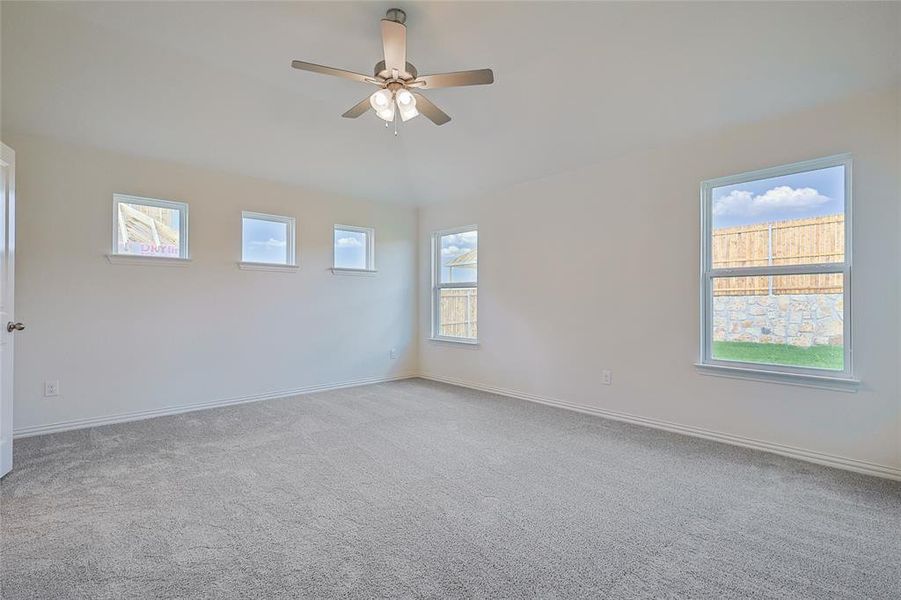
354	248
149	227
267	239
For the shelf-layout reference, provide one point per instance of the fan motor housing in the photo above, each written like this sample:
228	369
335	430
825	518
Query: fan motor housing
380	71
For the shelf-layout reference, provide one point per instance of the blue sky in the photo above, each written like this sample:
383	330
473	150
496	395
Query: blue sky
265	241
799	196
452	246
350	249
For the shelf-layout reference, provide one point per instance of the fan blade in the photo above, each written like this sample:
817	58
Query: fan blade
394	40
305	66
460	78
432	112
358	109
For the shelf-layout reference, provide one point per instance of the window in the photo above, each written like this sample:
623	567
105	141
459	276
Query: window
354	248
455	285
149	228
267	240
776	266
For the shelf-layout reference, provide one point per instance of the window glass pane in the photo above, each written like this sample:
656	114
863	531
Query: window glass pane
459	257
148	230
457	312
794	320
265	241
350	249
788	220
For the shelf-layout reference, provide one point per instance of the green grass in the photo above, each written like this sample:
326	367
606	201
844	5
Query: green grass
820	357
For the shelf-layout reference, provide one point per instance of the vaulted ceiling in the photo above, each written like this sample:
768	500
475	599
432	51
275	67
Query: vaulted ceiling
211	84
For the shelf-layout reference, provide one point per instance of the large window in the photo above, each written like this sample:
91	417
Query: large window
455	284
354	248
150	228
776	269
267	239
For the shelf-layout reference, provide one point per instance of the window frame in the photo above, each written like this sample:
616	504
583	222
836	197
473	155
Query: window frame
437	286
183	245
708	274
370	250
290	242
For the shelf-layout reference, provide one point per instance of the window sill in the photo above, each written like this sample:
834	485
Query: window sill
831	382
451	340
154	261
358	272
255	266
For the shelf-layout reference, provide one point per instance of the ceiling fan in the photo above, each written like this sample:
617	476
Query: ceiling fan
398	81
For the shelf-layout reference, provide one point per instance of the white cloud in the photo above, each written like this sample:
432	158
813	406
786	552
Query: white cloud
270	243
742	203
348	242
457	243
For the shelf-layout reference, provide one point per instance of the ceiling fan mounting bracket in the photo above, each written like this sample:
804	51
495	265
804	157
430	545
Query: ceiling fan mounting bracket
397	15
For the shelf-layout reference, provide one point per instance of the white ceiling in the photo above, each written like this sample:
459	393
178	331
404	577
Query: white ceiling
211	83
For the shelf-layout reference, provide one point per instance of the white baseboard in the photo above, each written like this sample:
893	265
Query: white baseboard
174	410
840	462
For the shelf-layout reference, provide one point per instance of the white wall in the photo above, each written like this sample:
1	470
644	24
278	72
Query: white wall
131	338
572	269
123	339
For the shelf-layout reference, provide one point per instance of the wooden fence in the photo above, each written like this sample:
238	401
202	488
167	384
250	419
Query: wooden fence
459	312
795	242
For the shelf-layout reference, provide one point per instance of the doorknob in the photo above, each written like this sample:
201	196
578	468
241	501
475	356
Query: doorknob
10	327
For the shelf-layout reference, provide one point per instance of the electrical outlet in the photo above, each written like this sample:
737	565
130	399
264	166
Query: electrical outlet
393	353
606	377
51	388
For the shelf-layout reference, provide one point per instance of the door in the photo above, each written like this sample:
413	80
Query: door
8	326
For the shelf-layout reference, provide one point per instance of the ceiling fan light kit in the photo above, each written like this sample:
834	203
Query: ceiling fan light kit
398	81
382	102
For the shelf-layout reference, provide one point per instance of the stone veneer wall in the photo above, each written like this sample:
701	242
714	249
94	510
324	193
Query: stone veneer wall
797	319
